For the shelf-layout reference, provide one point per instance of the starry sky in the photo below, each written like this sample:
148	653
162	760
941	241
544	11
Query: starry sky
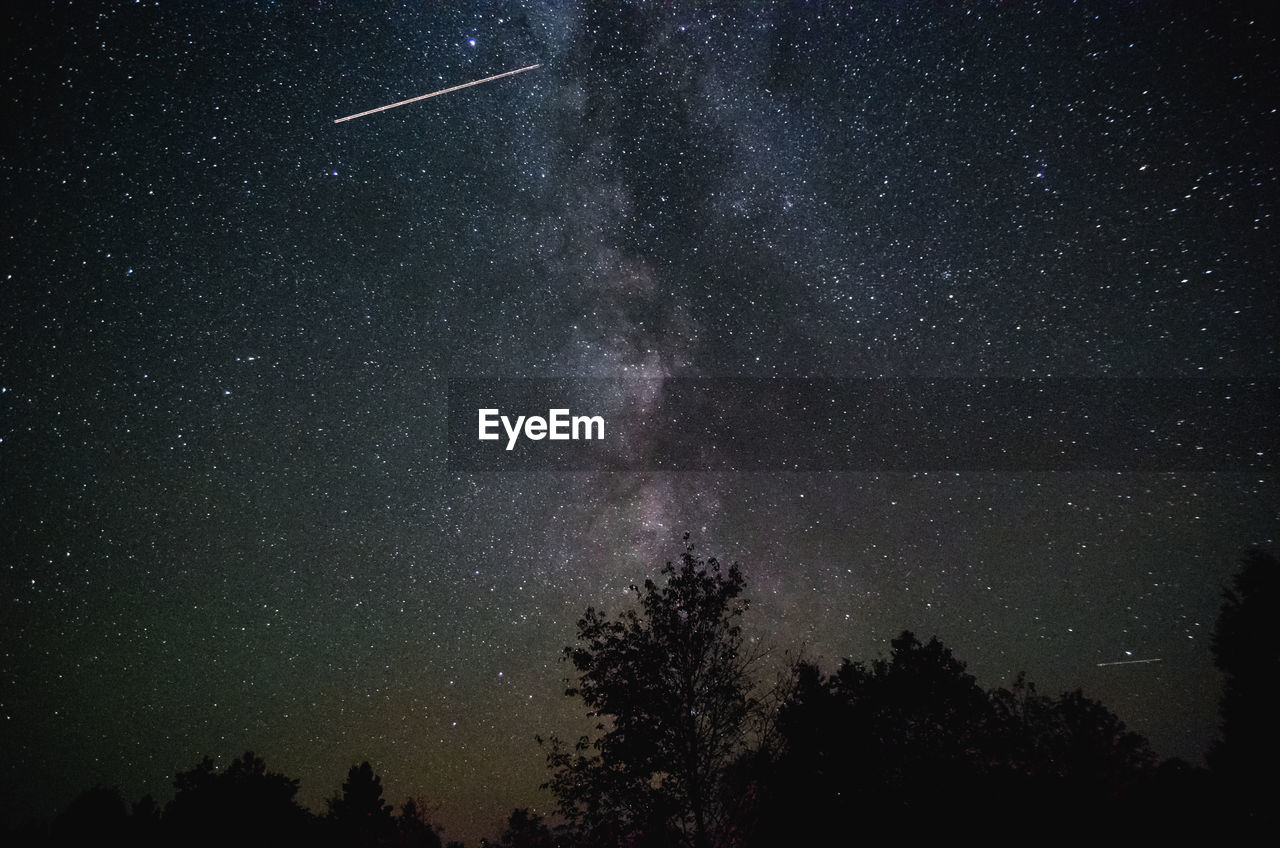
228	327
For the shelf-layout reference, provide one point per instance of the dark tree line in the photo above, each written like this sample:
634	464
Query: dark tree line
690	751
242	804
915	743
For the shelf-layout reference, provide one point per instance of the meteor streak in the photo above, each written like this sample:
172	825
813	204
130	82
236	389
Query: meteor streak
437	93
1130	662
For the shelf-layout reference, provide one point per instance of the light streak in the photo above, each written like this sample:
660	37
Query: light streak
437	93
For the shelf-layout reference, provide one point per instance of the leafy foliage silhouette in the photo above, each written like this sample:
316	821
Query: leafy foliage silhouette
916	742
415	830
526	830
669	683
359	814
245	804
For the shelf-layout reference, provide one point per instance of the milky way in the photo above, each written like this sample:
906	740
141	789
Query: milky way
229	326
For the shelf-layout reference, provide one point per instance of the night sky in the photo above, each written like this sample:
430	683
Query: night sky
227	327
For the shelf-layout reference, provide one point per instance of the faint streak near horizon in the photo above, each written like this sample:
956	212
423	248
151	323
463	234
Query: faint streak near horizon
437	93
1131	662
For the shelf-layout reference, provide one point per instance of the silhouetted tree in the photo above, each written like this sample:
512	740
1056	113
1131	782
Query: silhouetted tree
359	814
244	805
1092	746
414	829
914	741
928	713
526	830
669	682
897	739
808	787
1247	650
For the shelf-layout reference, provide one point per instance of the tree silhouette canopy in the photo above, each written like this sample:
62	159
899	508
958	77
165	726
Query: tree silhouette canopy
359	813
914	741
526	830
243	803
414	829
669	684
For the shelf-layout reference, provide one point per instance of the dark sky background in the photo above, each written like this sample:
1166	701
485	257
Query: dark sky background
227	325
